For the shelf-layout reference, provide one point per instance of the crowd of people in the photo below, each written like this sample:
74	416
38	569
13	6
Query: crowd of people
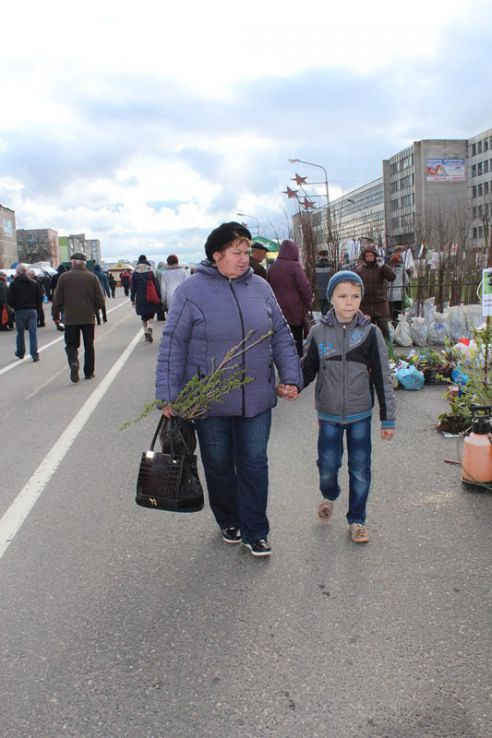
231	295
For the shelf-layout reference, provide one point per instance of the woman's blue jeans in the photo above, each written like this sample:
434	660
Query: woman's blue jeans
234	456
26	320
330	452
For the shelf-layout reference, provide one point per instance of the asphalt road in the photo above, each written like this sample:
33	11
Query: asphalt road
121	622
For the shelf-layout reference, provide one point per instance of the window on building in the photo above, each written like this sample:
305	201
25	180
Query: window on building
474	211
479	147
474	149
474	170
395	222
395	204
475	234
480	211
480	190
480	231
479	169
485	144
485	167
394	186
474	191
485	188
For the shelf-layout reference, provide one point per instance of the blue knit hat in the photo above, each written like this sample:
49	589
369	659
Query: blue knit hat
343	276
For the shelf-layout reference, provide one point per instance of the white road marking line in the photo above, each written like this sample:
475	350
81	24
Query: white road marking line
27	357
20	508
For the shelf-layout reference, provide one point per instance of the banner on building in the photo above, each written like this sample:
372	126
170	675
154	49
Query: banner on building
445	170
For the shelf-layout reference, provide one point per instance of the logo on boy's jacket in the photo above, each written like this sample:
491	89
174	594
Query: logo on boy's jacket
326	348
356	336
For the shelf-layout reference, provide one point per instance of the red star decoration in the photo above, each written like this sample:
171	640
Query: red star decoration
307	204
299	180
290	193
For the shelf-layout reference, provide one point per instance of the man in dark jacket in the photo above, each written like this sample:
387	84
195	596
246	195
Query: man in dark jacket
375	273
25	297
79	294
257	255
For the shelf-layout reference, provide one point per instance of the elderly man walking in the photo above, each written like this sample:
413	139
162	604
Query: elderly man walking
79	295
25	297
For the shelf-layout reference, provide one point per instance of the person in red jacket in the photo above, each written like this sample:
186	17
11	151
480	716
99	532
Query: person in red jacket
291	288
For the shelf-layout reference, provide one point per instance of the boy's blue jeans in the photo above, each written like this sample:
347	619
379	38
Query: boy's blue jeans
234	456
330	452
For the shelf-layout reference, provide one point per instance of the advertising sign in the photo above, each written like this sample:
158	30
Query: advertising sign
487	292
445	170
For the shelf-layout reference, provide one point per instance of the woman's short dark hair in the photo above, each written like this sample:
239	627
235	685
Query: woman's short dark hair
172	259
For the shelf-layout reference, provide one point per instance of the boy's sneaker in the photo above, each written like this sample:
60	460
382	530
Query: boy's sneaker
231	535
358	533
325	509
260	547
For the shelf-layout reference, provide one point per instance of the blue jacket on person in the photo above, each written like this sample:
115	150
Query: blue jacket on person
103	280
209	315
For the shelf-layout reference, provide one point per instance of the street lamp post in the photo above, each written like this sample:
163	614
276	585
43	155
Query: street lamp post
245	215
319	166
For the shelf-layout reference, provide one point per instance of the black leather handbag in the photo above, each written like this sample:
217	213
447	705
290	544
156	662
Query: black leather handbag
169	481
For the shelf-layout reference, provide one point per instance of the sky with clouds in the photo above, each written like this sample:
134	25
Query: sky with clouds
146	125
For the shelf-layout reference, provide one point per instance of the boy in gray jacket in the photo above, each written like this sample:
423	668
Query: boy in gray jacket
348	355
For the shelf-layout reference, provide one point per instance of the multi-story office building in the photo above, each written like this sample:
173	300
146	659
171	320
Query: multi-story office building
480	188
40	244
93	249
360	214
77	242
8	241
429	193
425	193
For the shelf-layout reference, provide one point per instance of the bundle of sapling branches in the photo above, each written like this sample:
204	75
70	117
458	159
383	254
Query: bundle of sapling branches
199	393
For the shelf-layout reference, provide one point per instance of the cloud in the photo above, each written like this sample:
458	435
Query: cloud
156	135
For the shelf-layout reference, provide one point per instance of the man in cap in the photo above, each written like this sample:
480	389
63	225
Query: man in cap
79	295
257	255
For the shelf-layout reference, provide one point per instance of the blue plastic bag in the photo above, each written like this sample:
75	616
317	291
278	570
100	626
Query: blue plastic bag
410	378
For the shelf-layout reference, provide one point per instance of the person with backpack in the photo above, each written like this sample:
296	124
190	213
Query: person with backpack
145	295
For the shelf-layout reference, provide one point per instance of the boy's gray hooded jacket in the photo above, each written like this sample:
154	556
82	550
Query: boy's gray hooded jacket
350	361
209	315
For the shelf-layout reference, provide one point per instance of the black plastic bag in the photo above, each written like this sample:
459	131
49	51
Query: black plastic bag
177	436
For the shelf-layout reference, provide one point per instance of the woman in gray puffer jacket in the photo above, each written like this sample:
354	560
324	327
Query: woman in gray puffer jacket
212	311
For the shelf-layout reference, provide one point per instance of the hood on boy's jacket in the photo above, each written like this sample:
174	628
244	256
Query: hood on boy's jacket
289	250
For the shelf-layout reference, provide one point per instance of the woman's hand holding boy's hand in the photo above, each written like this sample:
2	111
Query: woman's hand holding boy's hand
387	434
167	411
287	391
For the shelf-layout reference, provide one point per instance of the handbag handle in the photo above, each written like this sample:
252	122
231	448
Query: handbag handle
157	430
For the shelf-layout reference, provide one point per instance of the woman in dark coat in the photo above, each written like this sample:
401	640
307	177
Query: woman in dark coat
141	276
291	288
213	310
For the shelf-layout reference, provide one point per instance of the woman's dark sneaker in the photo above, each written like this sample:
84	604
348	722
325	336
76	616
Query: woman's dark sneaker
259	548
231	535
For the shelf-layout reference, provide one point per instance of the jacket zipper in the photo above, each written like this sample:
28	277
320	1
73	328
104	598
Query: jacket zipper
344	371
243	359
